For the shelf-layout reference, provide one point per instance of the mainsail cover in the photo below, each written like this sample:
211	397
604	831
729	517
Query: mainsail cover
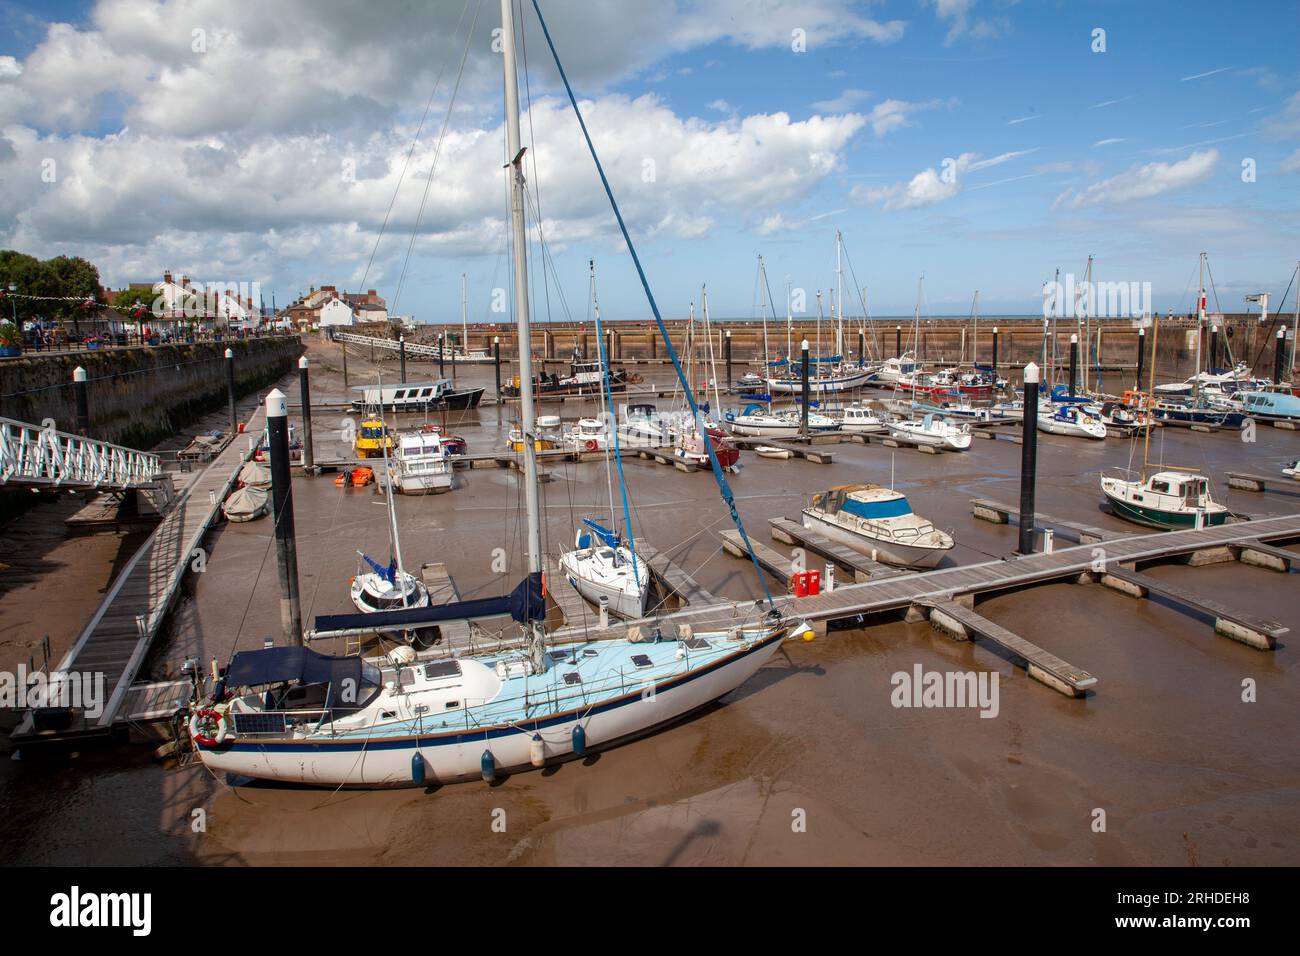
525	603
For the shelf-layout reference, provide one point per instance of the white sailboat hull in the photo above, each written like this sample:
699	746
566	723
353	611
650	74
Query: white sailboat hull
456	755
820	386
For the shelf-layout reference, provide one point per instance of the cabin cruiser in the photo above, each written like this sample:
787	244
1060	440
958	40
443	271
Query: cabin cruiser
420	464
602	565
878	522
933	430
958	408
895	368
1271	405
1186	412
546	435
1220	380
417	396
1166	500
1072	419
861	420
642	427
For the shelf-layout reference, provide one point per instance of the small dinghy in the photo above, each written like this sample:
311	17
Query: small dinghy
771	451
246	503
254	474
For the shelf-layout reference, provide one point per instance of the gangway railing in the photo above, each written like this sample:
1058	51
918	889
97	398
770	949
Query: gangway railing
413	348
42	456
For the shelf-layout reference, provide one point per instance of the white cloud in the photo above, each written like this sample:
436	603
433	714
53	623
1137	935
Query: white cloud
1145	181
1001	158
926	188
722	106
1023	119
842	103
889	115
1109	142
1286	124
1291	164
957	14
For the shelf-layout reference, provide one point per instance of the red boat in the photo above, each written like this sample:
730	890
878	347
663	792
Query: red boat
691	451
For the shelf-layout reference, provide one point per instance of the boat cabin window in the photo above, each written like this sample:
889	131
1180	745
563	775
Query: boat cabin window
440	669
425	392
1161	487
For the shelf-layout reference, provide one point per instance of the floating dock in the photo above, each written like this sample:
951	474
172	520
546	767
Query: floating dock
999	513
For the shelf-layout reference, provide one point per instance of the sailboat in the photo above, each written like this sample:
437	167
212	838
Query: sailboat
1168	499
291	714
603	566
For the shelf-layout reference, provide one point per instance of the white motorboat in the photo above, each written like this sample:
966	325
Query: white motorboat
641	426
878	522
860	419
589	435
756	422
894	369
933	430
1168	500
421	465
1292	468
1071	419
771	451
602	566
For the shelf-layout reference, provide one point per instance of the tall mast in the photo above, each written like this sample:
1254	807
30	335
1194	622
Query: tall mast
762	306
1085	317
519	245
839	291
1295	330
975	332
464	321
1200	325
789	319
600	350
1151	390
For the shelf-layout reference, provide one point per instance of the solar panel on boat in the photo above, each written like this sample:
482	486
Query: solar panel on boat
572	678
697	643
641	660
442	669
246	724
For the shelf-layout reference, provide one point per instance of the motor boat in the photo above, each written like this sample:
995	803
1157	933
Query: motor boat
417	396
1167	500
879	522
860	419
547	435
421	465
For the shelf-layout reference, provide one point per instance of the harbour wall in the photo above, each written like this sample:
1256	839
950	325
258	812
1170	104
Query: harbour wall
1020	340
139	396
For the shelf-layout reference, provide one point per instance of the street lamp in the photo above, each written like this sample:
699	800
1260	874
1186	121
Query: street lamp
13	302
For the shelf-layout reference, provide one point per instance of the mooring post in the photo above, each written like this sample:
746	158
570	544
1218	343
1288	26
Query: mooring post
862	355
1074	362
308	458
1028	459
81	395
1280	357
1142	353
286	551
401	355
898	341
230	390
803	386
496	361
453	363
440	355
726	349
995	354
1214	349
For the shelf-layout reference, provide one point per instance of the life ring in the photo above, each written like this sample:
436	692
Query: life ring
196	727
592	444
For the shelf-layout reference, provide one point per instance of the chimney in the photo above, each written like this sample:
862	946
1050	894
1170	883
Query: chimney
185	282
167	276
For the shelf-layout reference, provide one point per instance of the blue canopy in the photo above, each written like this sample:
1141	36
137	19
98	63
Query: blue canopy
894	508
524	603
275	665
389	573
1060	395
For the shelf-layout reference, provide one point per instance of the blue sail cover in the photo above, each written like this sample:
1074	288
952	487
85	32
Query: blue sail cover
525	603
603	534
389	573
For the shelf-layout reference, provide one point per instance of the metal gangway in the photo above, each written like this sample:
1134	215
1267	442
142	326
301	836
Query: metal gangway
40	455
414	349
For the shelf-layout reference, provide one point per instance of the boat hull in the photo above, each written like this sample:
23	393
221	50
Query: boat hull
455	756
890	552
1160	518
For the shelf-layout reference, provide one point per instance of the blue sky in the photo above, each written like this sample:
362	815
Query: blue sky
1133	155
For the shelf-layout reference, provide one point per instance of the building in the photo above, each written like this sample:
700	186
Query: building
344	308
335	312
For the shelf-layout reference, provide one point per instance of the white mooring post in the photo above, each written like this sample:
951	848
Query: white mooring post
829	577
1047	541
604	613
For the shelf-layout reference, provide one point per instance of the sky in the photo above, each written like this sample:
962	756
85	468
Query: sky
982	144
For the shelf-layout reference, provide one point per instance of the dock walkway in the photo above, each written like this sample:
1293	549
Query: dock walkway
117	638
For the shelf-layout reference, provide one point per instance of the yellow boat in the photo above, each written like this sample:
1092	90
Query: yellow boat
373	438
547	437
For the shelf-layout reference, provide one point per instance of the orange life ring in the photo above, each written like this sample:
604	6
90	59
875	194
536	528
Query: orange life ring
592	444
197	731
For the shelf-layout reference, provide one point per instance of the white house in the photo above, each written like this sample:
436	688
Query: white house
336	312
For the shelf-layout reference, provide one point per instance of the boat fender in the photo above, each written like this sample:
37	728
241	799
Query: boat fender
198	733
579	741
418	769
488	765
537	751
